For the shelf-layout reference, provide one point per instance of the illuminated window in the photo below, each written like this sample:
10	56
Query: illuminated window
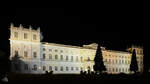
34	37
61	57
25	36
61	68
34	54
26	66
44	56
67	68
50	56
56	56
35	67
25	53
44	68
66	57
50	68
16	34
56	68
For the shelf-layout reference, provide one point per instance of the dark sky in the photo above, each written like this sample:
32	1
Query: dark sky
113	27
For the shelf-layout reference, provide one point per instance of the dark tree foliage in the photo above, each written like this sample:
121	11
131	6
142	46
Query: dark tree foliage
134	65
99	65
4	63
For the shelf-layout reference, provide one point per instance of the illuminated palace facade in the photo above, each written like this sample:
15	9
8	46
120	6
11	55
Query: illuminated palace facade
36	57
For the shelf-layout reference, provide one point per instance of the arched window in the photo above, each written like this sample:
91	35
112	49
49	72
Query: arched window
61	57
35	67
56	56
67	68
56	68
26	66
50	56
50	68
61	68
44	68
44	56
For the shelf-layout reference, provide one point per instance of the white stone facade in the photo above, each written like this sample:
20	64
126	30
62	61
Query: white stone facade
36	57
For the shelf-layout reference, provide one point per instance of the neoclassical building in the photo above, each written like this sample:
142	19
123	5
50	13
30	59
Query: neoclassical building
29	55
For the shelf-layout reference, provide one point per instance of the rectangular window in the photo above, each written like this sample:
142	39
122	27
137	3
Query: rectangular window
44	56
25	53
16	34
34	37
77	58
50	56
56	56
34	54
81	59
71	58
66	57
77	68
25	36
61	57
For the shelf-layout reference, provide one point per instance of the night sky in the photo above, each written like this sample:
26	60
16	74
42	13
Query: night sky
113	27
